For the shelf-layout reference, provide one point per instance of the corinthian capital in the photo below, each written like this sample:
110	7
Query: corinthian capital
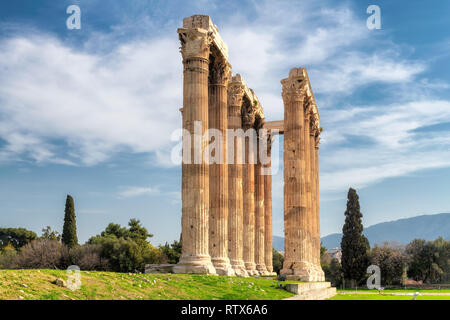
293	90
219	72
235	94
248	114
195	43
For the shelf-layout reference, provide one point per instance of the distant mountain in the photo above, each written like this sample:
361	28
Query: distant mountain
428	227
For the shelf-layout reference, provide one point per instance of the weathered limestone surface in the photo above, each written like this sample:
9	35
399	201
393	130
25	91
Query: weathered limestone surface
235	180
297	217
248	121
311	291
268	210
320	273
308	191
195	258
259	215
219	74
159	268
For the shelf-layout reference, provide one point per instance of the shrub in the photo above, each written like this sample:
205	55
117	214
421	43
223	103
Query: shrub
43	254
127	255
127	249
277	260
391	261
333	272
88	257
7	257
171	253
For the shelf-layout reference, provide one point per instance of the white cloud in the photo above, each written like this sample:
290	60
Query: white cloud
130	192
93	104
394	147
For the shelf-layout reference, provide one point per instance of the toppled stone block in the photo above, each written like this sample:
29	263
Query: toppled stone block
60	282
159	268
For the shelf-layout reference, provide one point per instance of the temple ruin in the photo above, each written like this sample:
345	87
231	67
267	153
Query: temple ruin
227	204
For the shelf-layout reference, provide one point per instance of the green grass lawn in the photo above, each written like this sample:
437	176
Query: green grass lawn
385	297
397	290
389	295
37	285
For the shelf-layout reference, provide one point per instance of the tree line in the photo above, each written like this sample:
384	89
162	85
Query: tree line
420	260
117	248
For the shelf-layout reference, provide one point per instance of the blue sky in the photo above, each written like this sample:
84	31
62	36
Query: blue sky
90	112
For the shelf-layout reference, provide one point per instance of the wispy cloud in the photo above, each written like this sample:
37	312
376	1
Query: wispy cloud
130	192
394	147
67	106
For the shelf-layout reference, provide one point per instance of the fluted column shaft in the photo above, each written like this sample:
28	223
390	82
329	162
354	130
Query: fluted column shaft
320	276
249	206
308	190
259	214
218	172
195	256
313	197
295	264
295	207
235	185
268	211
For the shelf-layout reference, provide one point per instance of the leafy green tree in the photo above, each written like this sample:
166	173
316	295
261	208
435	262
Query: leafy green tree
277	259
49	234
136	231
17	237
333	272
126	249
69	235
429	261
325	258
392	262
354	244
172	252
115	230
442	259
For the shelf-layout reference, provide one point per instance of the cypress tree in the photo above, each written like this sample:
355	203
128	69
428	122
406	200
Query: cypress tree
69	235
354	245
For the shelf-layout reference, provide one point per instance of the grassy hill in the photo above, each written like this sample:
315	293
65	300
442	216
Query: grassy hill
38	284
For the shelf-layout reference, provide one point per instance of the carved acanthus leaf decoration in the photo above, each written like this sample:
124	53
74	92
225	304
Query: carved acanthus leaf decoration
235	94
219	72
195	43
293	90
248	114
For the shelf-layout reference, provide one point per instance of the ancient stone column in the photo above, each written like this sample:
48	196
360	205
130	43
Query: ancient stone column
235	179
219	74
320	273
312	178
295	264
268	209
308	187
248	120
195	258
259	211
